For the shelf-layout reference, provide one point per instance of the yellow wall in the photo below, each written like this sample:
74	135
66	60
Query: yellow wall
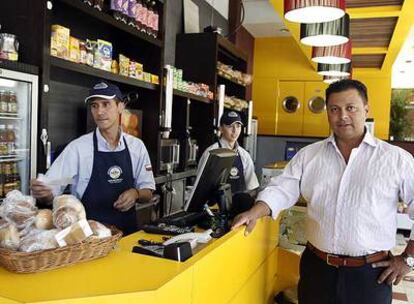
281	59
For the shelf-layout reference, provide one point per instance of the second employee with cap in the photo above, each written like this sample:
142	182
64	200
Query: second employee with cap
242	177
111	170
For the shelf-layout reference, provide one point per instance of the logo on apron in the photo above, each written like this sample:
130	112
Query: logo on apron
234	173
114	173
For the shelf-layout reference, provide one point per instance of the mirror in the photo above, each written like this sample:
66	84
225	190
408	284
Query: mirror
317	104
291	104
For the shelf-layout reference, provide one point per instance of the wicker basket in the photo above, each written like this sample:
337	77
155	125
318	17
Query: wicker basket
37	261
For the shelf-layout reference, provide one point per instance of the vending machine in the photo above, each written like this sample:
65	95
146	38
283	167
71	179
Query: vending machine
18	129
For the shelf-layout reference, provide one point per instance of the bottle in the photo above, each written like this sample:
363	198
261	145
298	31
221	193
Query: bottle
11	139
138	13
16	176
144	16
9	184
3	140
155	21
1	181
3	101
12	105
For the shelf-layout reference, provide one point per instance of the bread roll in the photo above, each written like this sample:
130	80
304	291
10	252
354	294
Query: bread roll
21	213
99	230
64	217
67	200
44	219
9	236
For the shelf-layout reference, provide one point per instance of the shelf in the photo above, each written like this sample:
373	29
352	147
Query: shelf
223	76
9	116
10	158
108	19
19	67
231	109
85	69
231	48
191	96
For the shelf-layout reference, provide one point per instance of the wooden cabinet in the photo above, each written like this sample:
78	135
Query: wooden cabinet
300	109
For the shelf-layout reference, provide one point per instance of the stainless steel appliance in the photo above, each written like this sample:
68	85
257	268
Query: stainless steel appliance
170	154
18	129
192	152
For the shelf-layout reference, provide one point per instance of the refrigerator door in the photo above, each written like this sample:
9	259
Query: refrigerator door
18	130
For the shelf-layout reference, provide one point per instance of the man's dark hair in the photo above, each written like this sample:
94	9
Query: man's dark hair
347	84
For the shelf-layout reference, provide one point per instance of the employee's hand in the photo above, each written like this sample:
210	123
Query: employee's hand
126	200
249	217
395	270
40	190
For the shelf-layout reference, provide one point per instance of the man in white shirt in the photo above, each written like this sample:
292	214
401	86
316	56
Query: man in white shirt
111	170
352	183
242	177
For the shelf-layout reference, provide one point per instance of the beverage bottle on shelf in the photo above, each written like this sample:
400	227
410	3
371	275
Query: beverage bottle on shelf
132	6
11	139
4	147
138	14
9	183
12	105
155	21
1	181
116	8
3	101
16	176
144	16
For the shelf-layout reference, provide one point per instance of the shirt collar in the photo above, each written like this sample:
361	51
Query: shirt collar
102	142
225	144
368	139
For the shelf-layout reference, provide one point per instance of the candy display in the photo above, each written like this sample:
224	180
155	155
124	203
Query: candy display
227	71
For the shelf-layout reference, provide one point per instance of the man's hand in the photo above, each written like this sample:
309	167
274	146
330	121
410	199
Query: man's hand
395	270
249	217
126	200
40	190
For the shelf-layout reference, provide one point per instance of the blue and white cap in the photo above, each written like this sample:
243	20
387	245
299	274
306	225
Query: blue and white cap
104	90
230	117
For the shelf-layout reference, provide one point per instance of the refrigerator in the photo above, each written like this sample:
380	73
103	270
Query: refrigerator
18	130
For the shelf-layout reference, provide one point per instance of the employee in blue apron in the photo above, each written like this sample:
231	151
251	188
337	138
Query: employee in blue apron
242	177
110	169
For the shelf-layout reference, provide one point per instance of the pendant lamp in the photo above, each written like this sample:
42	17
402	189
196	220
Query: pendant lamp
336	54
332	79
326	33
339	70
312	11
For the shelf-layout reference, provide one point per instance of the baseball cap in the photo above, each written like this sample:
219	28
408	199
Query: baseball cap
230	117
104	90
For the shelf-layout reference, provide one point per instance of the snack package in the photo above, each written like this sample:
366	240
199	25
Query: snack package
73	234
132	69
123	65
99	230
90	51
147	77
60	41
140	75
103	55
115	67
155	79
83	52
74	50
19	209
39	239
9	235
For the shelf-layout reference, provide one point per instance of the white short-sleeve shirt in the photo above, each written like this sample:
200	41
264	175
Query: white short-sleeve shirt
76	162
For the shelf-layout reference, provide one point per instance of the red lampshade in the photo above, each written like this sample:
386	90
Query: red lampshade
336	54
313	11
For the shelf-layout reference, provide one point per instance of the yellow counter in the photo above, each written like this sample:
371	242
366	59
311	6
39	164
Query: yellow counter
232	269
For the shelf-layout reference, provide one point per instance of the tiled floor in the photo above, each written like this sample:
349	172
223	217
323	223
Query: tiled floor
403	293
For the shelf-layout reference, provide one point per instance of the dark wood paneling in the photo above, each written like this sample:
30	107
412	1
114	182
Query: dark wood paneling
372	32
365	3
368	61
245	42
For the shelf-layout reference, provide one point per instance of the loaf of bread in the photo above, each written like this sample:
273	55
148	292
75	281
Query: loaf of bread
99	230
68	200
44	219
9	235
64	217
39	239
19	209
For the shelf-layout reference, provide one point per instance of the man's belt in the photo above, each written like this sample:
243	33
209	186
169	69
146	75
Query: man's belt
347	261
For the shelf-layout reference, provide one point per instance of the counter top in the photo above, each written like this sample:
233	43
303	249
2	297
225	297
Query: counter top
121	277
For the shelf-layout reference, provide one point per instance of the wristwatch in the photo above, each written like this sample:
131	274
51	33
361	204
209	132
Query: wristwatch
408	259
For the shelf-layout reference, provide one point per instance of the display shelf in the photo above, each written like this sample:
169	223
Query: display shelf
221	75
85	69
19	67
108	19
191	96
10	116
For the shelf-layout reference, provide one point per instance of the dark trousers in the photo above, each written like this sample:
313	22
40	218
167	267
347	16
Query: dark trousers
323	284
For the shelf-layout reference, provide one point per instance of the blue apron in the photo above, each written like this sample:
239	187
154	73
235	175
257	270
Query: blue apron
236	176
111	176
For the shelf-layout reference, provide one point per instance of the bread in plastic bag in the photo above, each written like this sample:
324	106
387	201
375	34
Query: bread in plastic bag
19	209
99	230
9	235
39	239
